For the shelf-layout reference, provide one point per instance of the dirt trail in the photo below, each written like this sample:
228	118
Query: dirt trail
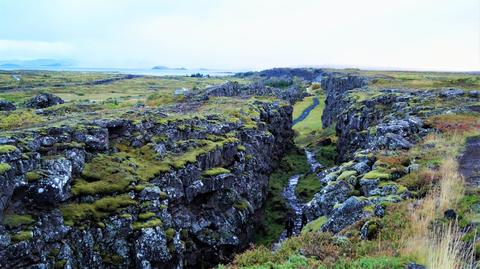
469	163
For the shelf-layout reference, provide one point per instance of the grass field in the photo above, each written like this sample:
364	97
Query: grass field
310	125
419	80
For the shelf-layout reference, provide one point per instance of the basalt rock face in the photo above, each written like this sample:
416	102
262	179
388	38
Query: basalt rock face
185	216
336	87
370	119
367	120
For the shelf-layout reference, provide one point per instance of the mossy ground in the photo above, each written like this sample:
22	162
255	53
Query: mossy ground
15	221
307	186
215	171
77	212
306	130
4	167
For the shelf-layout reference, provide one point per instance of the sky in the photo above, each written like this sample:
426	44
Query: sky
245	34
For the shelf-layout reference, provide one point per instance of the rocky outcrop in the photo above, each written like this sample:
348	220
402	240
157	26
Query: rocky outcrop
7	106
367	120
292	93
308	74
336	87
186	194
44	100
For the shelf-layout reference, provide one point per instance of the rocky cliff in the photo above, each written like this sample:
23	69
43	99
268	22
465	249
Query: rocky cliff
370	121
139	191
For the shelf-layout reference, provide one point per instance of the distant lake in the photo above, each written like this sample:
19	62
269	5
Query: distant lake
134	71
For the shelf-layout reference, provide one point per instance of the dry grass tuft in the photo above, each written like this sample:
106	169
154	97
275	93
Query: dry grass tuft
439	245
446	250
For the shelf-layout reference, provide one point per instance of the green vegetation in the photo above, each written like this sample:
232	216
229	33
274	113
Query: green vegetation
315	225
105	174
59	264
149	224
14	220
32	176
101	208
275	209
419	80
307	186
170	233
376	174
215	171
306	130
345	175
18	119
146	215
242	204
116	172
4	167
7	149
22	236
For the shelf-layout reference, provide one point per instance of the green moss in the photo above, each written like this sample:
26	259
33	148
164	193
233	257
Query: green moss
307	186
146	215
151	223
33	176
204	146
125	216
145	204
22	236
113	259
7	149
139	188
59	264
347	174
163	195
14	220
314	226
105	174
241	148
184	234
76	212
19	119
54	253
215	171
170	233
4	167
376	174
242	205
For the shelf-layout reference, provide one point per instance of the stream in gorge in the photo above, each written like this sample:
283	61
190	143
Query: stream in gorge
295	205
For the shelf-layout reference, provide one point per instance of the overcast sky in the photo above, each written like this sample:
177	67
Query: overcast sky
249	34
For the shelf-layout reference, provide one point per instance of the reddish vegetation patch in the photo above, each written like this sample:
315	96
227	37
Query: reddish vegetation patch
402	159
454	123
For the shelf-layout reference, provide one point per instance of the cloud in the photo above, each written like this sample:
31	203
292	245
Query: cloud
427	34
28	49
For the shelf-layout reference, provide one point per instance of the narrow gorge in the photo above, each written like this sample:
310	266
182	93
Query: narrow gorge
193	183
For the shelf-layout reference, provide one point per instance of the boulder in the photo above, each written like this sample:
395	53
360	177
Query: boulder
44	100
151	248
7	106
451	93
324	201
351	211
54	187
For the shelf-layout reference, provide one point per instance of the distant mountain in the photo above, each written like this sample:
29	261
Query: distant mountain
36	63
162	67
